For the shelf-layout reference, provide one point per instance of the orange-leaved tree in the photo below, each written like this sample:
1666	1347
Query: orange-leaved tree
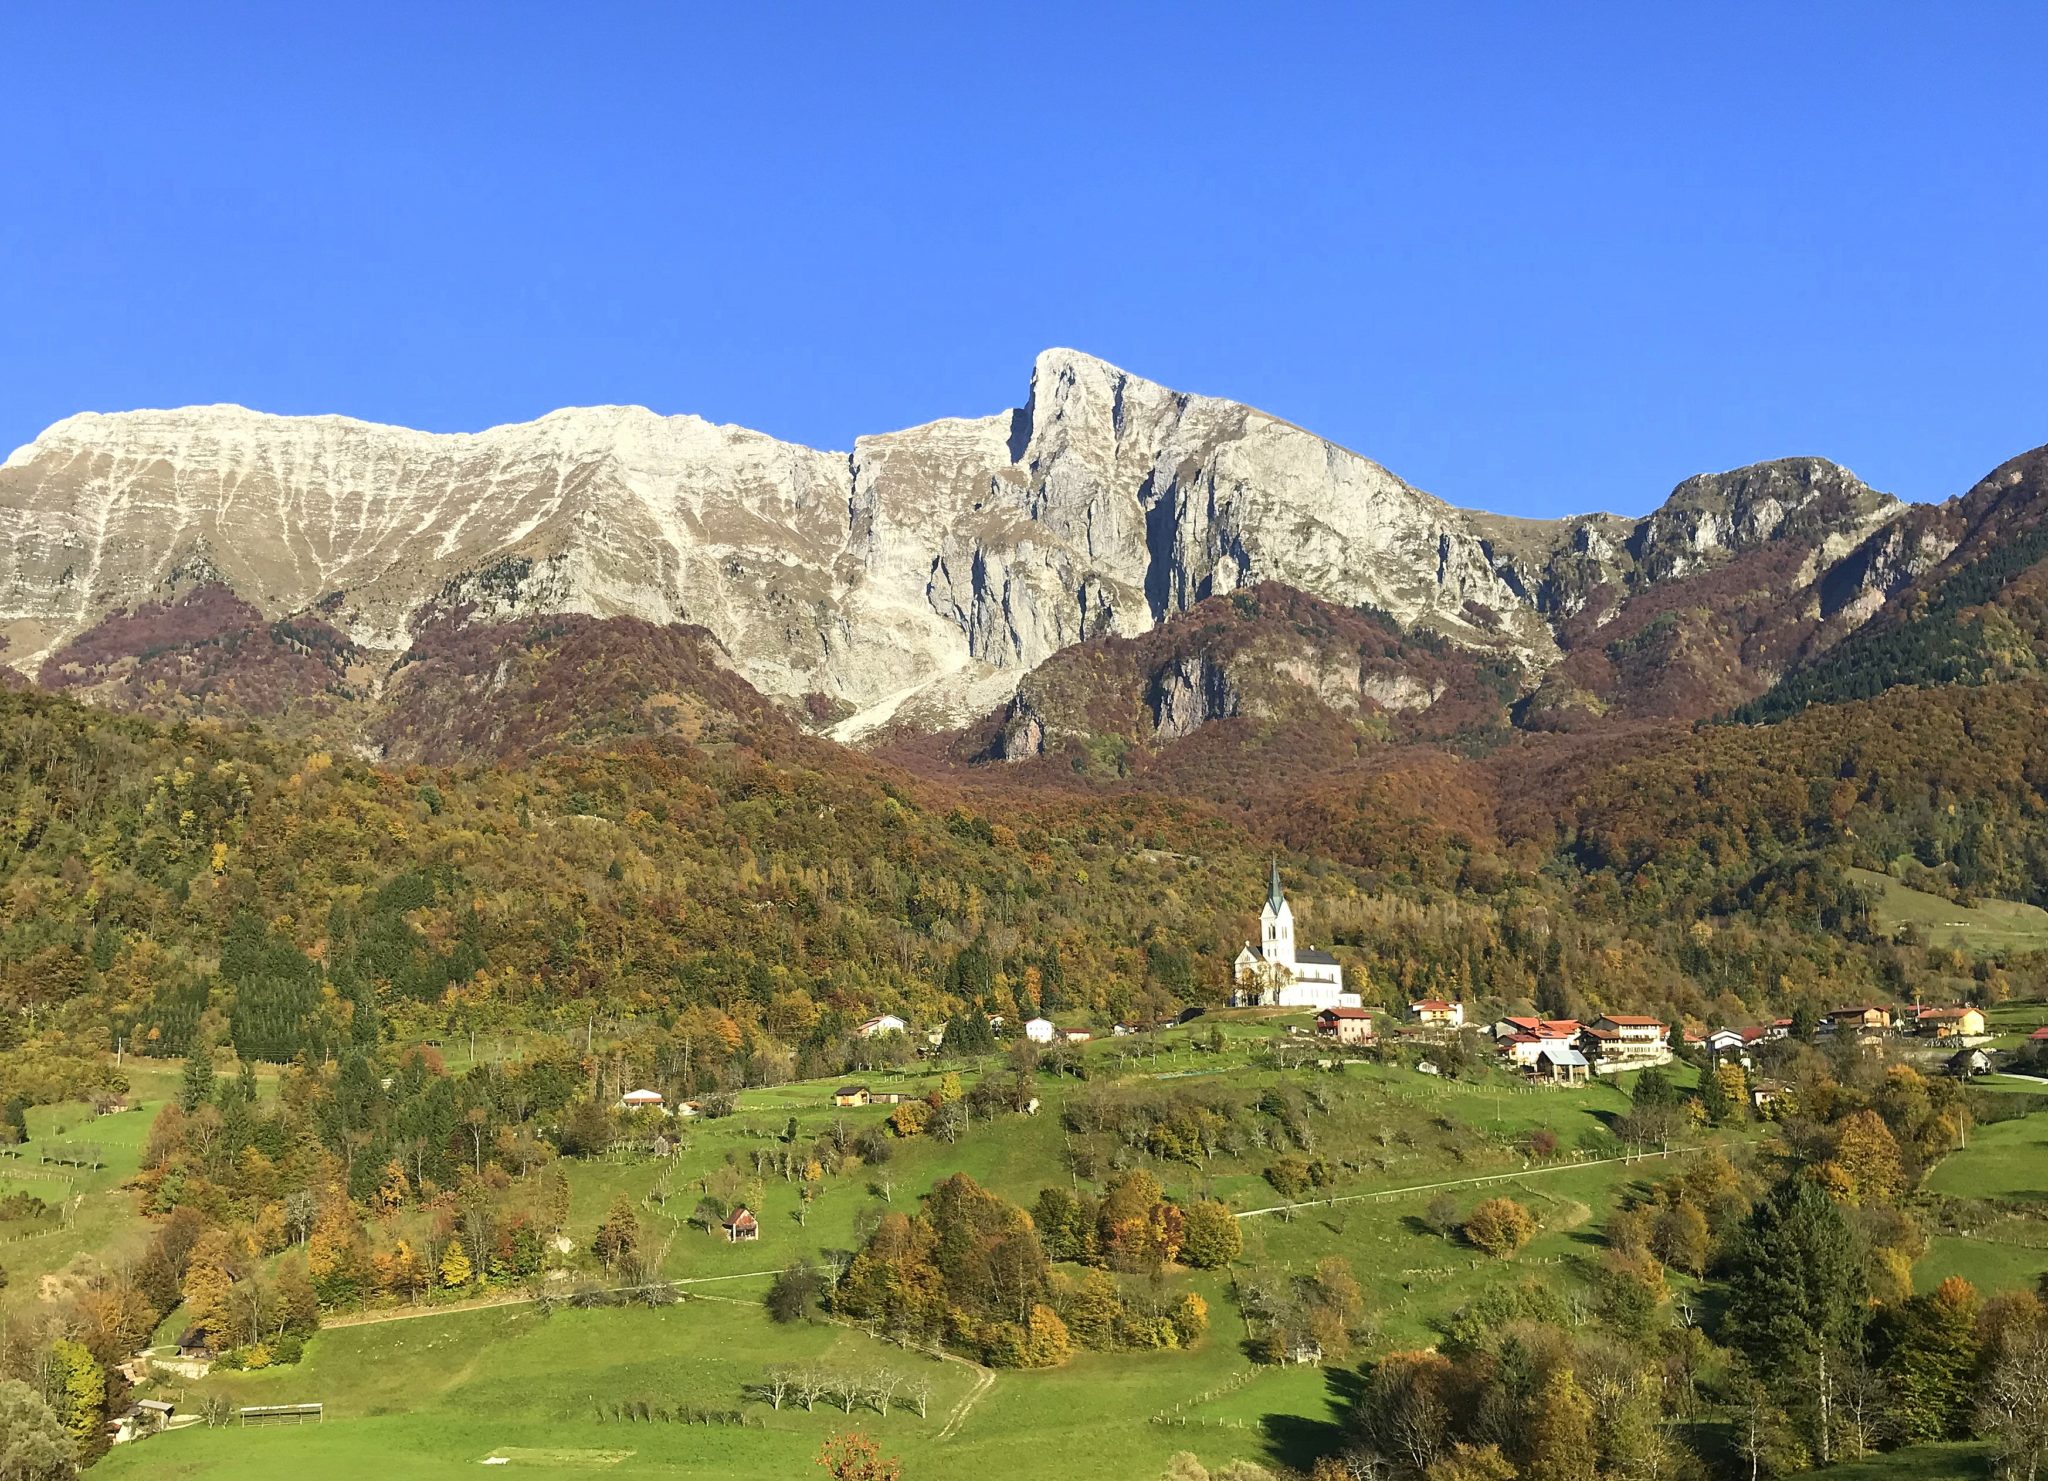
852	1456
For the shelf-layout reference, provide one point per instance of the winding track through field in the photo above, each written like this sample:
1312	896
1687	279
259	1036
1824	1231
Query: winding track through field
984	1380
1491	1177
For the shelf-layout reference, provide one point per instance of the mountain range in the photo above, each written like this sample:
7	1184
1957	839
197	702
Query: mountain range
1112	565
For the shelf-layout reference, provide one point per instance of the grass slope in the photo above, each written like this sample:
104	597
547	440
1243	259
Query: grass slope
1989	928
439	1395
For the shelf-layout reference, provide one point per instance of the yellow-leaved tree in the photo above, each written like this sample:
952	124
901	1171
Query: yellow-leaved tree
455	1267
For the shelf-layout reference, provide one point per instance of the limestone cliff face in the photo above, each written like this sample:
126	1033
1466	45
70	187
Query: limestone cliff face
914	580
1559	566
1714	514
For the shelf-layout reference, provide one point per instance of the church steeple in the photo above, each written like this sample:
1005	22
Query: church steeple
1274	899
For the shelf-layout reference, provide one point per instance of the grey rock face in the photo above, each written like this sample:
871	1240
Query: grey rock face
1715	514
1557	565
1188	694
915	579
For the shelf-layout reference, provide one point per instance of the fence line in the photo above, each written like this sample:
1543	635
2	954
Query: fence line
1483	1179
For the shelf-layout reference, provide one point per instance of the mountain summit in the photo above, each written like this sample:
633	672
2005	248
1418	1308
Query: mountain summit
913	580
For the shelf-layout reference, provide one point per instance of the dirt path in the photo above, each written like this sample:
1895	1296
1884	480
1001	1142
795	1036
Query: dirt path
984	1380
372	1318
1491	1177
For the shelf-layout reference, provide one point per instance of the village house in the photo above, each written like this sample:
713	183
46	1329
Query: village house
1040	1030
1967	1062
1615	1042
850	1095
1862	1021
1731	1042
1735	1044
1345	1025
1764	1094
1282	975
1521	1040
640	1100
1434	1013
1949	1023
887	1023
1074	1035
741	1225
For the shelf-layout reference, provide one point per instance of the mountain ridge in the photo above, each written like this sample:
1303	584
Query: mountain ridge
912	580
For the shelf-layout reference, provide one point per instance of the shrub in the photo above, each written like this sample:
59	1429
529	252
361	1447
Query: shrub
1289	1176
1499	1227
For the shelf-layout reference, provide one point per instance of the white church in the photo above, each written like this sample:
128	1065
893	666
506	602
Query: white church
1280	975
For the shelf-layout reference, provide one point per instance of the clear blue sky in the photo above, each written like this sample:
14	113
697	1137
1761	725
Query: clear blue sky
1536	258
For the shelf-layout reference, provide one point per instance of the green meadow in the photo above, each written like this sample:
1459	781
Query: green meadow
1988	928
428	1392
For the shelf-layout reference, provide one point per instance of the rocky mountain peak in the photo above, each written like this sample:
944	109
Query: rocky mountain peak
912	580
1718	514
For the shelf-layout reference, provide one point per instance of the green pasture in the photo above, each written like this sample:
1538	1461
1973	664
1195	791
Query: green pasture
442	1392
90	1209
439	1395
2005	1160
1988	928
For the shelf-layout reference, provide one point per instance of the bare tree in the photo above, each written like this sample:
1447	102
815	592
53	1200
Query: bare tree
883	1385
919	1395
811	1384
776	1382
301	1213
2013	1410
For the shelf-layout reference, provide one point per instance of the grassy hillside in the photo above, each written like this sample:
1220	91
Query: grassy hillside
1988	928
450	1389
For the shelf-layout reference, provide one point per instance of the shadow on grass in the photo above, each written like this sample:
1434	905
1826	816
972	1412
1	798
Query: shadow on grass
1298	1442
1345	1388
1415	1224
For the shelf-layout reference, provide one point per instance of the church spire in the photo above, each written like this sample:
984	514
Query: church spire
1273	900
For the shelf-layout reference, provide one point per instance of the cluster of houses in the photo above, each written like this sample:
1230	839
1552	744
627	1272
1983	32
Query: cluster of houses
1564	1051
1870	1021
1561	1051
1961	1027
